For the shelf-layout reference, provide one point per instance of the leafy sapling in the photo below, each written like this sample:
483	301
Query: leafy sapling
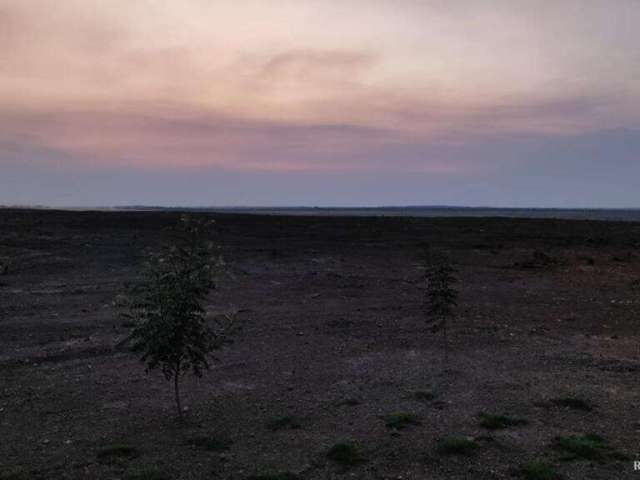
441	298
171	328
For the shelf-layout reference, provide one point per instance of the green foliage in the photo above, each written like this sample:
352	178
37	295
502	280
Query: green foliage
117	451
498	422
587	447
287	422
456	446
215	444
15	473
401	420
574	403
172	331
345	453
537	470
441	297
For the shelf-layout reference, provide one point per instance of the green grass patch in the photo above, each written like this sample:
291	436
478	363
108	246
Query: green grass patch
537	470
116	452
145	474
286	422
274	476
574	403
345	454
499	422
14	473
401	420
587	447
456	446
212	444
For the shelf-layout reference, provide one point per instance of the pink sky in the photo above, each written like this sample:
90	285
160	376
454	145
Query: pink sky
459	91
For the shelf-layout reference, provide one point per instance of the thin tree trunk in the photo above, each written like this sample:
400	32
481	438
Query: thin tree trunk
446	344
176	387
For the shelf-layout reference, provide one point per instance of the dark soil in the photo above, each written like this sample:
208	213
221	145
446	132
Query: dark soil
334	337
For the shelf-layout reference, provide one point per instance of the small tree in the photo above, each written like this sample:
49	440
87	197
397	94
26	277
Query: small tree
171	329
441	297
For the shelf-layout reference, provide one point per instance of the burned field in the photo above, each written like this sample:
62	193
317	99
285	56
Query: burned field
335	373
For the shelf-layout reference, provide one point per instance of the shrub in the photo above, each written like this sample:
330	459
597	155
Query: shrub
587	447
345	453
456	446
539	471
15	473
574	403
401	420
498	422
287	422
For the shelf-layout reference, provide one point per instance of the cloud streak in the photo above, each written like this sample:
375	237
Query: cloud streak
148	135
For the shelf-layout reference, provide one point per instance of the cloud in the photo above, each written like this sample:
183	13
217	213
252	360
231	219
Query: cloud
309	64
427	68
151	137
363	87
185	138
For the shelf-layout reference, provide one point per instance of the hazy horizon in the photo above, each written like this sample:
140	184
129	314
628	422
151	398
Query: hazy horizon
408	211
371	207
379	102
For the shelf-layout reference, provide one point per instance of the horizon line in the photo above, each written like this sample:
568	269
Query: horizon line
300	207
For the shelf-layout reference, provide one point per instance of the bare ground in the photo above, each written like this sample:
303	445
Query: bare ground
333	336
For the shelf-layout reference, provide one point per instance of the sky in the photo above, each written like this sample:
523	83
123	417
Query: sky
523	103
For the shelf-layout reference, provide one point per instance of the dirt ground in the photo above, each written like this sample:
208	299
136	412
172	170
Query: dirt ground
333	339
